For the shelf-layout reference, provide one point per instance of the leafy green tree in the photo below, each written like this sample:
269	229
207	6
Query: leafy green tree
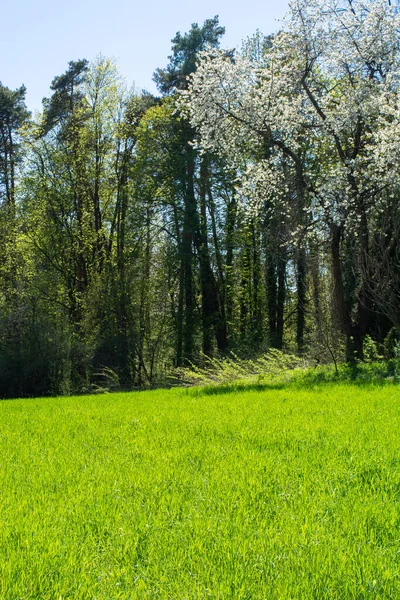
13	307
13	115
185	50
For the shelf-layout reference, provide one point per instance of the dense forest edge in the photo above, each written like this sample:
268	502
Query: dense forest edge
246	219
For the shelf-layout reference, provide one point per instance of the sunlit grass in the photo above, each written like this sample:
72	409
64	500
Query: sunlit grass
228	493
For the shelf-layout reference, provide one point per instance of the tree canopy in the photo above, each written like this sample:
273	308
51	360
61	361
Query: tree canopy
255	204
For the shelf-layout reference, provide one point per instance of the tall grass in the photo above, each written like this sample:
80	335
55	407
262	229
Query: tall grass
230	368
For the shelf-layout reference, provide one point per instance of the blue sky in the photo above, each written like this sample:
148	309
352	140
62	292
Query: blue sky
39	38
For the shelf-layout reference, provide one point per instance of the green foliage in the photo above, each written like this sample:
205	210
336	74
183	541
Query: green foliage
396	359
67	97
233	493
185	49
361	373
389	345
370	349
224	369
126	251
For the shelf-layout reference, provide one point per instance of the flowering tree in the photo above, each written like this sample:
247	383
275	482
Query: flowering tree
322	100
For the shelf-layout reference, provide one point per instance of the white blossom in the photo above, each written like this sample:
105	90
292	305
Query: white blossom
325	92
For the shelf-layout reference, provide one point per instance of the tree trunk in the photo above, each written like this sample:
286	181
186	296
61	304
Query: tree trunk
281	296
188	233
342	311
256	304
229	289
301	297
316	294
213	315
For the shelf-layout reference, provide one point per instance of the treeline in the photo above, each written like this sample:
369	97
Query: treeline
251	205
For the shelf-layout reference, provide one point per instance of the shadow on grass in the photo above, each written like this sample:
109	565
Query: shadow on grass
228	388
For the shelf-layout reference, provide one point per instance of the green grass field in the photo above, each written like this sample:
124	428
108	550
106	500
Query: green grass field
256	492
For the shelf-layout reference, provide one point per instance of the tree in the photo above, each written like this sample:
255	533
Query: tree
185	50
13	306
194	171
315	98
74	196
13	115
84	194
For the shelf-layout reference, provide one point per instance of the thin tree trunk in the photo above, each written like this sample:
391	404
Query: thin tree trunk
229	289
301	298
272	299
213	314
342	311
281	296
316	295
188	233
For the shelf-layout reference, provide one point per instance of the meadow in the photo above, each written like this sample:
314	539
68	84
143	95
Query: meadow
243	492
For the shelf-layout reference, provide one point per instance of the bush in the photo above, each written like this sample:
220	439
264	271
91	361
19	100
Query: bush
370	350
217	370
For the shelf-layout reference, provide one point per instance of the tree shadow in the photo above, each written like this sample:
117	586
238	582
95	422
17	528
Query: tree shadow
229	388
